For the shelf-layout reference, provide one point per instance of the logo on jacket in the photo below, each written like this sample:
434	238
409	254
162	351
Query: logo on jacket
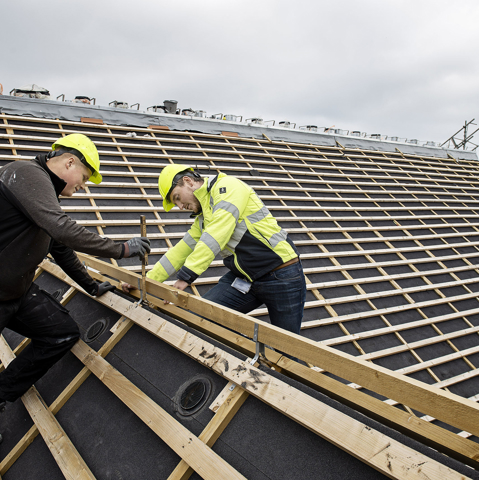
223	190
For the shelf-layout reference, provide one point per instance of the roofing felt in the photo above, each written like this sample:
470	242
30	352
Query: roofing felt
388	241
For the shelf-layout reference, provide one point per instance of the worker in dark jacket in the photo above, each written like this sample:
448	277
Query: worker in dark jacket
33	225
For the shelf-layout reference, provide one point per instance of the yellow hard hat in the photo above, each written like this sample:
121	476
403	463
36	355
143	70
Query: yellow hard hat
89	154
166	185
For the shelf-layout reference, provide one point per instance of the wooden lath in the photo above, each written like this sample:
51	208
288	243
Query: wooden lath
450	408
314	191
382	453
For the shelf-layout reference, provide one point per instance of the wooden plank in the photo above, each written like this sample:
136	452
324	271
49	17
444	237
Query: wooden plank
200	457
66	455
434	436
214	429
377	450
445	406
64	396
97	121
154	127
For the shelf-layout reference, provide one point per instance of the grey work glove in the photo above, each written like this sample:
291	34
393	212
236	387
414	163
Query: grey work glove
103	288
137	246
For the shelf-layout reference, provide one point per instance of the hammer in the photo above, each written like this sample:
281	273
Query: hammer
144	262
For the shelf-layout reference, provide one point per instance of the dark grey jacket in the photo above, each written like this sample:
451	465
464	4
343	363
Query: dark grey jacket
32	224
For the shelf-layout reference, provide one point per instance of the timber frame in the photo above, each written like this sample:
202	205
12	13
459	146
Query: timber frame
389	244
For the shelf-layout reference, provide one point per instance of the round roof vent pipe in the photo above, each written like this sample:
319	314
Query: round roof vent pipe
155	108
31	91
170	106
310	128
118	104
83	99
233	118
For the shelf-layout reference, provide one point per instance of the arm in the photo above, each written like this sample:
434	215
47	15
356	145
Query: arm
69	263
35	196
175	257
230	197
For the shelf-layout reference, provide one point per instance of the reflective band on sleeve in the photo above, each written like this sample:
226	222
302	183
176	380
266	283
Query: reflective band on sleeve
229	207
259	215
211	243
277	237
166	264
189	240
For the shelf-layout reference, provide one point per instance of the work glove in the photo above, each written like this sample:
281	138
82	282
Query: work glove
103	288
137	246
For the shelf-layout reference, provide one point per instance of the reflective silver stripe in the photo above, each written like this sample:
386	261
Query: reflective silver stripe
259	215
211	243
277	237
200	222
166	264
211	202
225	253
229	207
210	181
189	240
238	233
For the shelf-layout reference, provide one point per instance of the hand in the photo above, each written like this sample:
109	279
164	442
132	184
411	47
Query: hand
126	287
104	287
180	285
137	246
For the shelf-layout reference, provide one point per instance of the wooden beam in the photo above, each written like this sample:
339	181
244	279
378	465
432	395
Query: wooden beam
449	408
214	429
200	457
66	455
64	396
434	436
377	450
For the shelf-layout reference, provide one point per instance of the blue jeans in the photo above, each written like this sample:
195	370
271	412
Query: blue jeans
283	292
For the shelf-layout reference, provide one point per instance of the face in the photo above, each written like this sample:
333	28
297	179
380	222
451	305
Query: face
184	198
75	174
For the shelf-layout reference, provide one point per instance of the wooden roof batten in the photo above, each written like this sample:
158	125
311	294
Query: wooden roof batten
428	194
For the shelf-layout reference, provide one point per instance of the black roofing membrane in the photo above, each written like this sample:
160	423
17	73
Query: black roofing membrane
260	442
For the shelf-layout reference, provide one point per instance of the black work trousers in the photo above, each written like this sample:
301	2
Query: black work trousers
38	316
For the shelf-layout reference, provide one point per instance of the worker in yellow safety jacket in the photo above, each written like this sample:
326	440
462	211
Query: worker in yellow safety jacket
231	221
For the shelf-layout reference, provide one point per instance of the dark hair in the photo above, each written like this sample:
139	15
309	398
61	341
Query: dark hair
179	182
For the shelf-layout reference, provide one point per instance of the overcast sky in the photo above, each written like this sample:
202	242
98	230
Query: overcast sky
406	68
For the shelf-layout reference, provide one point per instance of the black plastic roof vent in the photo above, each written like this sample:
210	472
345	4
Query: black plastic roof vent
95	330
192	396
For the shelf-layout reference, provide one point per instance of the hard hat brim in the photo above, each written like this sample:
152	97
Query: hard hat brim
96	178
167	205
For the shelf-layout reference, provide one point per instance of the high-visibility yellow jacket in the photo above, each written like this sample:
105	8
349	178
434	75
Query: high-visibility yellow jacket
234	223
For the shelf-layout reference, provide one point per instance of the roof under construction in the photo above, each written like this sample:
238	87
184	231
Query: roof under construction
388	382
